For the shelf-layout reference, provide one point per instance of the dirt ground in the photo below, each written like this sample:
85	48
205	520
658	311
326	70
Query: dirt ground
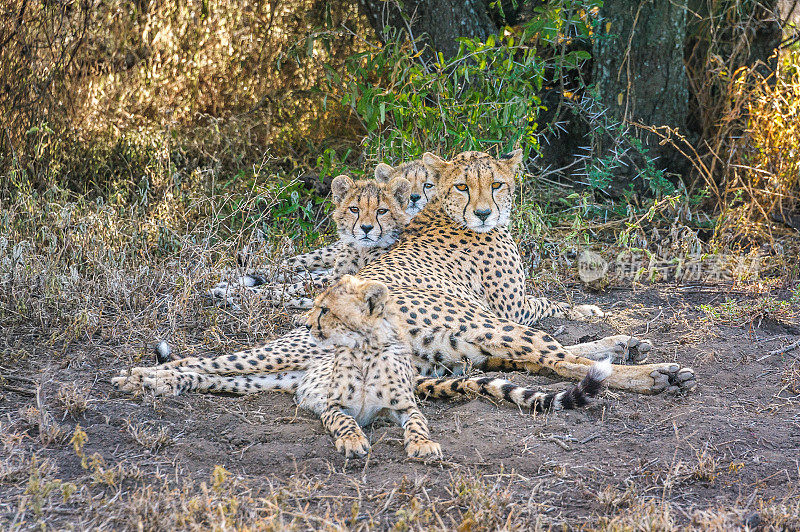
723	456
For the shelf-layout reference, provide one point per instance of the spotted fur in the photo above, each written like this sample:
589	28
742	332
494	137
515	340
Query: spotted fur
423	189
459	284
369	217
423	182
365	372
368	370
574	397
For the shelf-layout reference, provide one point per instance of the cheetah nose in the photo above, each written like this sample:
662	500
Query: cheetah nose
483	214
414	198
366	229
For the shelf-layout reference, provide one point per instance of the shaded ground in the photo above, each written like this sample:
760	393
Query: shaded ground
722	456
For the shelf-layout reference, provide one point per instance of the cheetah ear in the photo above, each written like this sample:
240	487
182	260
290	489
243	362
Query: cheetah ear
434	163
340	186
382	173
400	188
375	295
512	160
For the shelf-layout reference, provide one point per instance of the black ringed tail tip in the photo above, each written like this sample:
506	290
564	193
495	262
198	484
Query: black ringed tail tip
163	352
590	386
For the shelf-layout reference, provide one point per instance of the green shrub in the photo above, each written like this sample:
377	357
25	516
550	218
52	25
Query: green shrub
488	95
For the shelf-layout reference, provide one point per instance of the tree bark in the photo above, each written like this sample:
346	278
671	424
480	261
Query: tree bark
638	66
438	22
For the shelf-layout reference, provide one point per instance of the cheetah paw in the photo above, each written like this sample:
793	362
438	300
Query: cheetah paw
620	348
583	312
221	296
354	444
632	350
163	382
423	449
128	383
672	378
300	320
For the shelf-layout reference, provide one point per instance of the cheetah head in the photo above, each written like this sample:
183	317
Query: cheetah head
370	214
348	311
422	179
476	190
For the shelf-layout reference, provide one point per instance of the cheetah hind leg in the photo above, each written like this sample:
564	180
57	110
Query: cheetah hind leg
620	348
538	308
538	351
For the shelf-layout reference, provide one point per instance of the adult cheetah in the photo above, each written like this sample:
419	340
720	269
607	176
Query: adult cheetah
458	280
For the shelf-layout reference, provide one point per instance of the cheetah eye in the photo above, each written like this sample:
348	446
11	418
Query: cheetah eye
427	185
382	211
323	310
462	187
496	185
354	209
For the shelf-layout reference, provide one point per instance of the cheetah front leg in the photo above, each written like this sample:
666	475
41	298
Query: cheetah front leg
318	259
296	296
347	435
538	308
620	349
416	435
293	296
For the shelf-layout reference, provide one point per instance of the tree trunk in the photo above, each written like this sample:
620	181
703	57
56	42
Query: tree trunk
439	22
638	66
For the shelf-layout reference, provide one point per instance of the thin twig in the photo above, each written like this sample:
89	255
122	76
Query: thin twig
786	349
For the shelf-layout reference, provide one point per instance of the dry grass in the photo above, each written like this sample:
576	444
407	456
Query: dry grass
74	399
78	270
121	496
762	187
791	378
752	312
749	134
149	437
41	421
215	81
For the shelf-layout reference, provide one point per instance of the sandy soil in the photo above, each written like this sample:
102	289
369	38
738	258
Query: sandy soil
730	446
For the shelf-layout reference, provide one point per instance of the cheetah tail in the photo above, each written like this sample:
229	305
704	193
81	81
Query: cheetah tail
574	397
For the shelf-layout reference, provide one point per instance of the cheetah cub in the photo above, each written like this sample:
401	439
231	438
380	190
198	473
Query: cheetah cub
423	189
369	217
371	373
423	182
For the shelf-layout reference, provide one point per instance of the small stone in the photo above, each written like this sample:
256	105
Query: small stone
751	521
